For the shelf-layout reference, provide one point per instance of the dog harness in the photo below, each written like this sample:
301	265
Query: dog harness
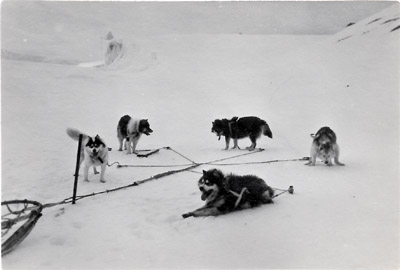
230	126
239	196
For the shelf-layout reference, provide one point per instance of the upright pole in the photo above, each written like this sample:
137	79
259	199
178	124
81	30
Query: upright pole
78	158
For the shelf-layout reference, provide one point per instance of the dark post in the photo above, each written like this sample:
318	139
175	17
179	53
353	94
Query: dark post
78	158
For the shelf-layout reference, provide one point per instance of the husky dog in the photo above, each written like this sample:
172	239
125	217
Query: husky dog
93	152
324	147
130	130
228	193
239	128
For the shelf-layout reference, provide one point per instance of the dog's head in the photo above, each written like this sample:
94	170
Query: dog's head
218	127
144	127
95	146
325	152
210	184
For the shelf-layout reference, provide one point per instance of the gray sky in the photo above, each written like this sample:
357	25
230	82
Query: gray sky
255	17
261	17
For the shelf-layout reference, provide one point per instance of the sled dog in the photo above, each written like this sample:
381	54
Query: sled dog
324	147
93	152
228	193
239	128
130	130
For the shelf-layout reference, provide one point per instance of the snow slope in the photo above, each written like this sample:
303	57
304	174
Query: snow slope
339	217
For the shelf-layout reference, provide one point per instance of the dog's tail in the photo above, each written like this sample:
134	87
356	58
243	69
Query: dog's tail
266	130
74	134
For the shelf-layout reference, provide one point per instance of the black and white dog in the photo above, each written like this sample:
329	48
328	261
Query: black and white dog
227	193
130	130
93	152
239	128
325	147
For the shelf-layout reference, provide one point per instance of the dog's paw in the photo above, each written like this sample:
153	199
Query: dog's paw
102	180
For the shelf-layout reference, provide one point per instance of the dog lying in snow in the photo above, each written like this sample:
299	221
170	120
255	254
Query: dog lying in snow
227	193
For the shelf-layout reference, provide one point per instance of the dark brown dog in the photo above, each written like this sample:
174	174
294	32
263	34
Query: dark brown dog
239	128
224	194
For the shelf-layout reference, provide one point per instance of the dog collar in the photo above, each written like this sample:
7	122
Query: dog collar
99	158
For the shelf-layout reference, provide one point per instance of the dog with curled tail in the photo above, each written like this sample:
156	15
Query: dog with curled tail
93	153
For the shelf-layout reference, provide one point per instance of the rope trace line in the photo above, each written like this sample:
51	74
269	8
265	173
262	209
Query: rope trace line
157	176
176	152
260	162
188	167
17	237
135	183
184	165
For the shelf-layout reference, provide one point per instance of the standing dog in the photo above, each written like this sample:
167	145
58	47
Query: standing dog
130	130
239	128
224	194
324	147
93	152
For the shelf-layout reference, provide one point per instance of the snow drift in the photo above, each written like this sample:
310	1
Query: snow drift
338	217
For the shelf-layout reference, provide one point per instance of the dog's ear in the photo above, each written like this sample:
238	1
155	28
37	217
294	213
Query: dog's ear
216	173
99	140
89	141
204	172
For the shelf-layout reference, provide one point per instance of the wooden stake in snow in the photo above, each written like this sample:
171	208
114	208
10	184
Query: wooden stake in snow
78	161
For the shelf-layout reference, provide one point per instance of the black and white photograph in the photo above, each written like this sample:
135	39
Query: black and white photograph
200	135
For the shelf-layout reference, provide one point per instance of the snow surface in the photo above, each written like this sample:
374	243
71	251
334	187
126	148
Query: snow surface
338	217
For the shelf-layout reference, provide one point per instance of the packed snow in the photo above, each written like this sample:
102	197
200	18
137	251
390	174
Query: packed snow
338	217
